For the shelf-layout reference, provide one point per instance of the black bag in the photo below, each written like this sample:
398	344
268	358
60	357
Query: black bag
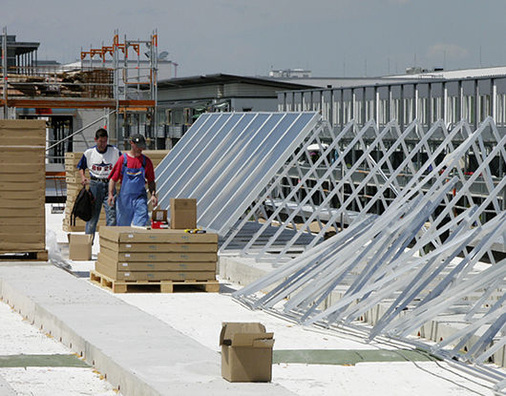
83	207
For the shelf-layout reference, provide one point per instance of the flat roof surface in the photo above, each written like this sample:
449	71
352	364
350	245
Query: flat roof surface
167	333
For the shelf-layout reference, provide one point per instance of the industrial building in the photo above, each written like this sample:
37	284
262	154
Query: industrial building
182	100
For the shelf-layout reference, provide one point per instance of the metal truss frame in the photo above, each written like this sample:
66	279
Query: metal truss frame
373	273
246	168
423	260
333	193
412	228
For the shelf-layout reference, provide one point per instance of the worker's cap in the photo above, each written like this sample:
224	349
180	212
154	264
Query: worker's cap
139	141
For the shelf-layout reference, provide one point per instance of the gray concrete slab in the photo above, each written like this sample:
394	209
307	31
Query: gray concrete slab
5	389
139	354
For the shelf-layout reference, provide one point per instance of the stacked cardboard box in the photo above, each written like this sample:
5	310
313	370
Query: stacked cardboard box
73	179
129	254
22	187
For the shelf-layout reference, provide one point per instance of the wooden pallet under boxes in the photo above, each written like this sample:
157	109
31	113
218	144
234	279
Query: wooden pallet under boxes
136	254
22	186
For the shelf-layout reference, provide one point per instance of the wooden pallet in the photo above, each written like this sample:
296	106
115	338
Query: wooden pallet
41	255
211	286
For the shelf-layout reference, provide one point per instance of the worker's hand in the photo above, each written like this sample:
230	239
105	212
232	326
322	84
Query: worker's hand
110	200
154	200
85	181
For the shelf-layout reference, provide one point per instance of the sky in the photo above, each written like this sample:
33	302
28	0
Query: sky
332	38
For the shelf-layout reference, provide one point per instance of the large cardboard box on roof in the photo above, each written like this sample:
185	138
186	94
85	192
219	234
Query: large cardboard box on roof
35	187
12	201
152	266
159	256
246	352
17	195
141	235
183	213
80	247
158	247
21	212
103	266
24	155
22	242
22	186
23	132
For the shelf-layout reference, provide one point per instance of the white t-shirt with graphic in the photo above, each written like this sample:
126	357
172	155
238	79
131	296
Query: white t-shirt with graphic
99	164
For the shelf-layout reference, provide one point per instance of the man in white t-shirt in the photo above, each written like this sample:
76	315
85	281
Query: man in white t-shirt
100	160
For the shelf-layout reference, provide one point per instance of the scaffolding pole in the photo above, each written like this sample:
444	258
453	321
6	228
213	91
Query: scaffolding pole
5	75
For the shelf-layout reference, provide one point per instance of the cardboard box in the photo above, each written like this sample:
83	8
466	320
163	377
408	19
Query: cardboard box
80	247
159	215
132	235
158	256
159	247
183	213
246	352
115	265
107	269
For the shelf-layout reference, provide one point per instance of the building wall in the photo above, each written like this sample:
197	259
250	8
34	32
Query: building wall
257	104
83	119
472	99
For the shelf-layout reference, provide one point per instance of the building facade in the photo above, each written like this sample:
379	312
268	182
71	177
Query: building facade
425	98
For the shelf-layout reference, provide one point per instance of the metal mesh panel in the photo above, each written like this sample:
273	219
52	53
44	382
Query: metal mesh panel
225	160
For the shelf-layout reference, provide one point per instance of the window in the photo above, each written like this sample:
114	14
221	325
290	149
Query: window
501	109
383	116
468	108
484	107
422	110
408	110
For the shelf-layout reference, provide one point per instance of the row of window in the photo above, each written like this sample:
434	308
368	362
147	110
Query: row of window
427	110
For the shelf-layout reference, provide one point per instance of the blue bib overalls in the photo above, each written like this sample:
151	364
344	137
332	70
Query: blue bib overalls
132	200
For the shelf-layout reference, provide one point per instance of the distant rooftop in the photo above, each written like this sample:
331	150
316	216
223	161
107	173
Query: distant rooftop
439	73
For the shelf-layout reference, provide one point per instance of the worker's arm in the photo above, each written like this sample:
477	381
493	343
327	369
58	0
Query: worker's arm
82	166
84	179
152	191
110	198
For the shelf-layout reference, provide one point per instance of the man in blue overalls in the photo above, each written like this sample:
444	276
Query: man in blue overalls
133	169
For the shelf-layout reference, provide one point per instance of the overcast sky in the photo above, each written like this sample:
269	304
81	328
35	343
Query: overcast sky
331	38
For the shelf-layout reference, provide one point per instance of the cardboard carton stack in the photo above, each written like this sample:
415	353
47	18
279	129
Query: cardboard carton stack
22	187
73	179
130	255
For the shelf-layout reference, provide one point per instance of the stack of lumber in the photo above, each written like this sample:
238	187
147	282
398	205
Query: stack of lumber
73	179
22	187
131	256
